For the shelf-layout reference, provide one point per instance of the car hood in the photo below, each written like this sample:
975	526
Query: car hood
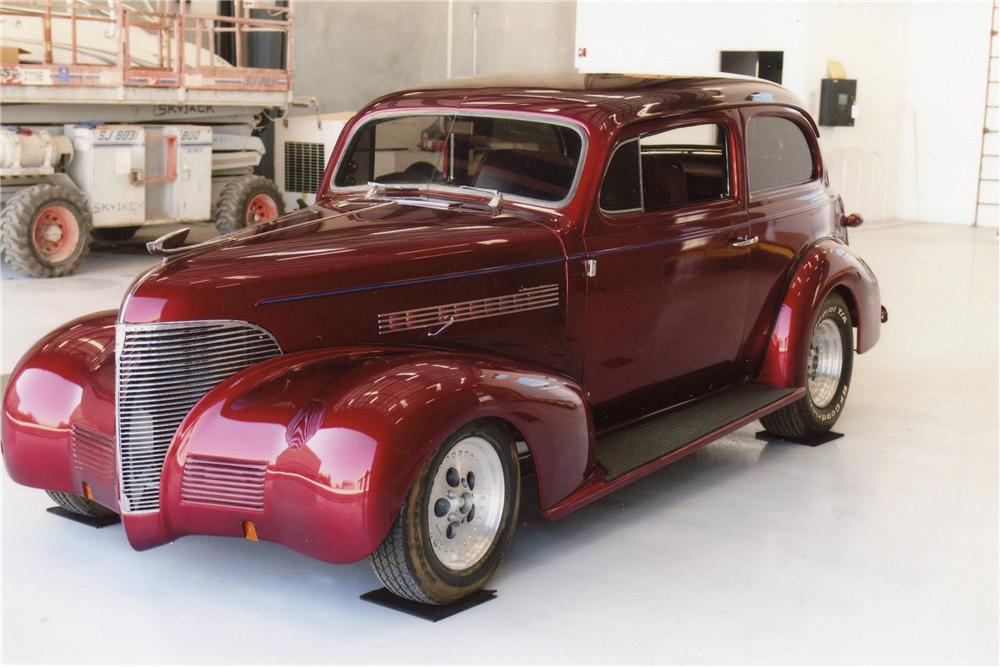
325	252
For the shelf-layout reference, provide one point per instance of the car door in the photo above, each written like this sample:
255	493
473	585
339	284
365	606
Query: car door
789	206
667	252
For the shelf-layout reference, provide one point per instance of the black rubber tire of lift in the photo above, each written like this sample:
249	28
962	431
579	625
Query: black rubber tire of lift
231	210
17	218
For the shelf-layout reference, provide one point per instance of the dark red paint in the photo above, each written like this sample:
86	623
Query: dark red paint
673	313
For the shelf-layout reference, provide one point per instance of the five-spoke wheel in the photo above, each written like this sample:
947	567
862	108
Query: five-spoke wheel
458	518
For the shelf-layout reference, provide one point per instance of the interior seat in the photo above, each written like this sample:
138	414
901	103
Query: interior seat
527	173
664	182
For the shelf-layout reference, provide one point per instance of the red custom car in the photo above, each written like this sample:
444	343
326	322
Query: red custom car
599	273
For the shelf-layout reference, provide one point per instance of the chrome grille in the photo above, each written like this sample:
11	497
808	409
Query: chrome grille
223	482
163	370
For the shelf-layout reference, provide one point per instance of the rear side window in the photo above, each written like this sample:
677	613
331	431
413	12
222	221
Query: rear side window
778	153
679	166
620	192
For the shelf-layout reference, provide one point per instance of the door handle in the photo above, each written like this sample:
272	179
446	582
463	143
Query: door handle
744	241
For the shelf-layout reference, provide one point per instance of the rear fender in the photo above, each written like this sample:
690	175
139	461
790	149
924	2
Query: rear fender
827	266
343	434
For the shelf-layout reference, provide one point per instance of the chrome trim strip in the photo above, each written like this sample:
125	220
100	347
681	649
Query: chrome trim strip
525	299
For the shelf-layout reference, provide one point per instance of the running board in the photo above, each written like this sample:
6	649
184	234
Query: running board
631	447
633	451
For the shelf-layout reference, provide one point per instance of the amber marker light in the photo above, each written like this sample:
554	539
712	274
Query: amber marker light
250	531
87	493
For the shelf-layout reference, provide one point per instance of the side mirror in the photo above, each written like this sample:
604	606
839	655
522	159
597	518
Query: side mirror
852	220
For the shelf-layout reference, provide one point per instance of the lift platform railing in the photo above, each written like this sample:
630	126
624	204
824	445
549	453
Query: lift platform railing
180	49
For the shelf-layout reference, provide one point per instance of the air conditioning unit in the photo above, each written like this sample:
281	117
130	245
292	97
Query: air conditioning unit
302	147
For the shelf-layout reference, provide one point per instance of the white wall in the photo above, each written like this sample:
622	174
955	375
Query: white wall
921	72
943	112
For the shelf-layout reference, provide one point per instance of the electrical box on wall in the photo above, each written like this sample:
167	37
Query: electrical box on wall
836	101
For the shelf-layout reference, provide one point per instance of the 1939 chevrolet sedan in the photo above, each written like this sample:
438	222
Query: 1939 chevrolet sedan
587	276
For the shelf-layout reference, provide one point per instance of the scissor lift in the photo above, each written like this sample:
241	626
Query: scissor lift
120	115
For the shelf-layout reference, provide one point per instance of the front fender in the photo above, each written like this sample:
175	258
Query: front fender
338	437
58	419
828	265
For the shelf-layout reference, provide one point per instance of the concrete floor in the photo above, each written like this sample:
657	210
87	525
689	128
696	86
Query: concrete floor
881	547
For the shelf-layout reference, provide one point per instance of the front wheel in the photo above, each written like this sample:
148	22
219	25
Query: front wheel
457	520
828	376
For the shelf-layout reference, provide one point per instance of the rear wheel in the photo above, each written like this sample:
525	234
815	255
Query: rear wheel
828	376
457	521
246	201
79	504
45	231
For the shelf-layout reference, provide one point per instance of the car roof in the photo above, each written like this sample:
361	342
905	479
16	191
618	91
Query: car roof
596	98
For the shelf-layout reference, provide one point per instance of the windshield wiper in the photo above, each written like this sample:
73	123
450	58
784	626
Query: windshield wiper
375	189
496	197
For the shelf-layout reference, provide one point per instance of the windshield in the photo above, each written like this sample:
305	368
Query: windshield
522	158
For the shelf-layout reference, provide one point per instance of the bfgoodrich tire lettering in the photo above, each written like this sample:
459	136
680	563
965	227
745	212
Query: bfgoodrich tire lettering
804	418
406	562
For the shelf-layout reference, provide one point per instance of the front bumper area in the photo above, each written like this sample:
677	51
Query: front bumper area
288	499
57	433
283	496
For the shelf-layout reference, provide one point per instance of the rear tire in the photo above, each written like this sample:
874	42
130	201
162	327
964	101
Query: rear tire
79	505
246	201
828	376
457	520
45	231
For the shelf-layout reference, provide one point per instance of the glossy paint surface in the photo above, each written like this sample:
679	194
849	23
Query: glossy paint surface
657	332
674	311
343	434
67	377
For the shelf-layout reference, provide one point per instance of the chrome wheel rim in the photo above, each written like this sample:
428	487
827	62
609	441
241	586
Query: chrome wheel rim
466	503
826	360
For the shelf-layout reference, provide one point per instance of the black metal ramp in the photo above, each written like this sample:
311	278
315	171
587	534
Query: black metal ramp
630	447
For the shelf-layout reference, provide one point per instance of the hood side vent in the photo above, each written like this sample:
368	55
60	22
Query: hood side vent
93	452
223	482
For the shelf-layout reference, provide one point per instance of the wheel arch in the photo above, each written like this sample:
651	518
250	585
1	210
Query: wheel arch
828	267
344	433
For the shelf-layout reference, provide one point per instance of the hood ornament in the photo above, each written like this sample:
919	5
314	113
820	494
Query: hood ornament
168	244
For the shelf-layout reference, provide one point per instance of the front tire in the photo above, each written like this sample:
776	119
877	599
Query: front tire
457	520
79	505
828	376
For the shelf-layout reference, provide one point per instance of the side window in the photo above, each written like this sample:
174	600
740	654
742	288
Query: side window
620	190
683	165
777	153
